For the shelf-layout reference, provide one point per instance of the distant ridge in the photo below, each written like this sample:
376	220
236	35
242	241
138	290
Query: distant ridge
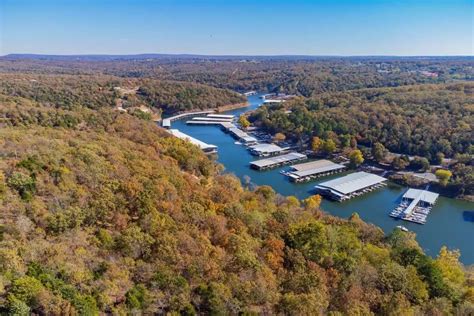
106	57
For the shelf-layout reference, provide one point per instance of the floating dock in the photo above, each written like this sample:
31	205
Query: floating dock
352	185
207	148
277	161
242	136
212	119
207	122
221	116
266	150
166	122
416	205
312	170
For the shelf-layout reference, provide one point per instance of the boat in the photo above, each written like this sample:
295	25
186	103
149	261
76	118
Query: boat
402	228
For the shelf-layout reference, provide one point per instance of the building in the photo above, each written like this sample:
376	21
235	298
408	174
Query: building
350	186
277	161
415	206
265	150
313	169
207	148
242	136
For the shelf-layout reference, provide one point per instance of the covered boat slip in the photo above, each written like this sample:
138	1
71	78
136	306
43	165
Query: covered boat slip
266	150
416	205
212	119
242	136
313	169
350	186
277	161
207	148
221	116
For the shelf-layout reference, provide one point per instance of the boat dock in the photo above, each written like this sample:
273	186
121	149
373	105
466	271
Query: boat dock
277	161
212	119
242	136
166	122
350	186
221	116
312	170
266	150
416	205
207	148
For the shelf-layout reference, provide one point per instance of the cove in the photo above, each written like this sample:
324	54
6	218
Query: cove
449	223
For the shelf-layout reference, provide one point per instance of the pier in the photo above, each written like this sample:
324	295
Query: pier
350	186
277	161
166	122
206	148
416	205
312	170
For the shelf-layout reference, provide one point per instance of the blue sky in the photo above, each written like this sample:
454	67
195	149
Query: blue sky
259	27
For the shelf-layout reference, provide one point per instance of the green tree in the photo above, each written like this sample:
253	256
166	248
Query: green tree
329	146
379	152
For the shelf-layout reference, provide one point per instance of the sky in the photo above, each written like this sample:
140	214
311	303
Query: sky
258	27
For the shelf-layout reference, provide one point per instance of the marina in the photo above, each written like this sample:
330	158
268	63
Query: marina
350	186
415	206
372	207
277	161
312	170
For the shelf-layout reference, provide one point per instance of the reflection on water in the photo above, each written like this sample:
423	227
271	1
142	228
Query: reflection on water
447	223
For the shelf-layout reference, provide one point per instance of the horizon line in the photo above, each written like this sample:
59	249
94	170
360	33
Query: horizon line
223	55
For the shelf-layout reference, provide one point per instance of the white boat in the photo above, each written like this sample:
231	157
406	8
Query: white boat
402	228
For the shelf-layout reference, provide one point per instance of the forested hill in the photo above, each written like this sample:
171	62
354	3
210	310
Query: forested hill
102	212
103	91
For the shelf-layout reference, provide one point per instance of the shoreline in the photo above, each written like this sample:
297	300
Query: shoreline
230	107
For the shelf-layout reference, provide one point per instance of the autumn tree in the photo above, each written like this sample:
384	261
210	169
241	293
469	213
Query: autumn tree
316	144
244	122
443	176
356	158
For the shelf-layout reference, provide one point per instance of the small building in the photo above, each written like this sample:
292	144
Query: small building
207	148
166	123
350	186
277	161
265	150
415	206
313	169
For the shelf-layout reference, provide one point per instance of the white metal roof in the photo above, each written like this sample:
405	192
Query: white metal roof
212	119
221	116
278	159
166	123
266	148
421	195
192	140
352	182
314	167
228	125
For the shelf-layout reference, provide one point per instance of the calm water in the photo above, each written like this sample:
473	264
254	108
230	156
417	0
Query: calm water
446	224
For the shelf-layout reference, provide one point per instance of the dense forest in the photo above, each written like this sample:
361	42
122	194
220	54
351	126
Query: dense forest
98	91
416	120
302	75
89	226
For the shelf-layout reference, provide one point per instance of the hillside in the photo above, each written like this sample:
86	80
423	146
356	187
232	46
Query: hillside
102	212
104	91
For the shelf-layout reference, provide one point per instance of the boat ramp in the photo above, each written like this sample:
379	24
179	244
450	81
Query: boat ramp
415	206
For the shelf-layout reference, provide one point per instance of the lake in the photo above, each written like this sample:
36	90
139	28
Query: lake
449	223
